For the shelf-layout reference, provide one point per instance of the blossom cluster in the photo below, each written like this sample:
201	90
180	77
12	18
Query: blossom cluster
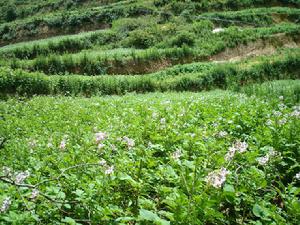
238	146
216	178
107	169
265	159
20	177
5	205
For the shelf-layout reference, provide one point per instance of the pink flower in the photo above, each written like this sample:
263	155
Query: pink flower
21	177
100	136
102	162
130	142
63	144
176	155
217	178
109	170
230	154
263	160
241	146
34	194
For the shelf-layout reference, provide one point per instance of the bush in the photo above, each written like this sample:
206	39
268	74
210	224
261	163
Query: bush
10	12
202	28
183	38
141	39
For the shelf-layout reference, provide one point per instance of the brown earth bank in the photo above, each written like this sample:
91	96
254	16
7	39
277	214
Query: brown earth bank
267	46
45	31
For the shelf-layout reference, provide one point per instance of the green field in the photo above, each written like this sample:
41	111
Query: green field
149	112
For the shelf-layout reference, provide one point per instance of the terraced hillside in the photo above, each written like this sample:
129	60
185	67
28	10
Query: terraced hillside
72	152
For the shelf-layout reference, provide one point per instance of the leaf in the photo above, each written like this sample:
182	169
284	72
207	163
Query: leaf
229	188
69	220
260	212
150	216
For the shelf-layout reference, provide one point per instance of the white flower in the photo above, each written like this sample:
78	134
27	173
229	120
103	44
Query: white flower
222	134
277	113
272	152
215	124
109	170
241	146
296	113
281	97
102	162
281	106
217	178
176	155
49	145
154	115
297	176
218	30
21	177
230	154
269	122
32	143
34	194
6	171
282	121
5	205
130	142
63	144
163	121
100	136
100	146
263	160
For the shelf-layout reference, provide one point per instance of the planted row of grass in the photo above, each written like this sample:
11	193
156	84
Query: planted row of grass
287	89
197	78
70	22
138	33
14	10
137	61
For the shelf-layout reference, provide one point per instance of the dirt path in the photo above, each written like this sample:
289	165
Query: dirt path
259	47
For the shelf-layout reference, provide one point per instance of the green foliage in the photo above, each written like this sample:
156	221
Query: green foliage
163	148
183	38
194	77
141	39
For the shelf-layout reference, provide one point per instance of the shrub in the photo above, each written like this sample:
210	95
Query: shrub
183	38
141	39
202	28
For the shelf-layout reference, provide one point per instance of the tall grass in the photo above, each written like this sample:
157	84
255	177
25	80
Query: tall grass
204	77
288	89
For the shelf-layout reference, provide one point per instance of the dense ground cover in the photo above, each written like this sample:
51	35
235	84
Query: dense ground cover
73	152
192	77
211	158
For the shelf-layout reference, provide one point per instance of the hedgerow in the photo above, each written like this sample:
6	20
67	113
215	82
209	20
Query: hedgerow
183	78
70	22
98	62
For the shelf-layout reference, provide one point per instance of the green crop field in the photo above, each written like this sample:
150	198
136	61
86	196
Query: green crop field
150	112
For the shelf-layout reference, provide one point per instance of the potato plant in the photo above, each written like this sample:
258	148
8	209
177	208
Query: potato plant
210	158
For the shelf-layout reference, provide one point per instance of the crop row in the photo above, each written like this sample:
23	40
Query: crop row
168	52
188	158
197	77
16	10
69	22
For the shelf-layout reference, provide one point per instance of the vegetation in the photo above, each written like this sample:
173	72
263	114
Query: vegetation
149	112
194	77
122	161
